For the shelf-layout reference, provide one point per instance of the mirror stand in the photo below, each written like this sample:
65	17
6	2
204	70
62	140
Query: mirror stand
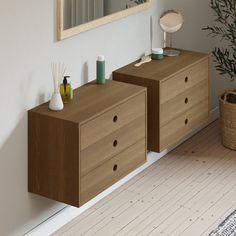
170	22
170	52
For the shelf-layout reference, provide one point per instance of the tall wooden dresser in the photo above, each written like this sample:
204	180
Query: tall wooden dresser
97	139
178	95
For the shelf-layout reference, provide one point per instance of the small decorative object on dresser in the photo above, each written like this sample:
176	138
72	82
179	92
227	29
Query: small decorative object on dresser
97	139
66	90
56	103
157	53
178	95
58	71
143	60
225	59
171	21
101	77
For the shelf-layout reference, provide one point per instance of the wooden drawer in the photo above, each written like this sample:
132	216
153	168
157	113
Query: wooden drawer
113	170
56	163
104	149
183	102
184	124
107	123
169	82
183	81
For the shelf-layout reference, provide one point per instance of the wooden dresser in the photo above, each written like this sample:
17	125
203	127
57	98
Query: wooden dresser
178	95
97	139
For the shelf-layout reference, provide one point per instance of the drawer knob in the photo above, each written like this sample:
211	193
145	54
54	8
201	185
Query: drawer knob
186	79
115	119
115	167
186	121
115	143
186	100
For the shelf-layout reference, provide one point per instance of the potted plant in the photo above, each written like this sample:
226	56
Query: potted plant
225	59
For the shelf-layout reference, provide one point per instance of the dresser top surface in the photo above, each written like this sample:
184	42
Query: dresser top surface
165	68
91	100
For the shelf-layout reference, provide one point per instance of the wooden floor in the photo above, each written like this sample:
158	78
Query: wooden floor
188	192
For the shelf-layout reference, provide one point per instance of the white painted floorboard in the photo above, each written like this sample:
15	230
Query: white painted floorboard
188	192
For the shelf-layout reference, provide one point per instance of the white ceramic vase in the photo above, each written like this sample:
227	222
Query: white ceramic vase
56	103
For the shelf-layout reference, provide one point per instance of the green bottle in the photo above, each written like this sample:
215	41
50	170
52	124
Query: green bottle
101	70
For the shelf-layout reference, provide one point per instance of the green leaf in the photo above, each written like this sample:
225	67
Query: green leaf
224	28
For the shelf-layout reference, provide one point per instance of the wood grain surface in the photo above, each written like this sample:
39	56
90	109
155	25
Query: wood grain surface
190	191
111	145
112	120
112	171
183	124
169	83
55	139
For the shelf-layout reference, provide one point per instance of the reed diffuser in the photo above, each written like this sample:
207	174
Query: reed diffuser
58	72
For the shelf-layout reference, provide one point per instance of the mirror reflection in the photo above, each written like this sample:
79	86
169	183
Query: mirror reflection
78	12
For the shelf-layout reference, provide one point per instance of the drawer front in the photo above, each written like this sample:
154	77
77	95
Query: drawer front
112	171
183	81
112	120
183	102
183	125
104	149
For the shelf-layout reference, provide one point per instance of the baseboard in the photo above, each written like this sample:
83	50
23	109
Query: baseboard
68	213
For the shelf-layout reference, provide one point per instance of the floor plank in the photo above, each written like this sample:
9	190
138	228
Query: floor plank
188	192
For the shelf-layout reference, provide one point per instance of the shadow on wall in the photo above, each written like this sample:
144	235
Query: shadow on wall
16	203
85	74
13	182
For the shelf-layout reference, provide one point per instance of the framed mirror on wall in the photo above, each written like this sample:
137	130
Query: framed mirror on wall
76	16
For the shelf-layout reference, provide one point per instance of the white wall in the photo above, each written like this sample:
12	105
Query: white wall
27	48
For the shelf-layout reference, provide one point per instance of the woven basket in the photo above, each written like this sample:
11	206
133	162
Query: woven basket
228	121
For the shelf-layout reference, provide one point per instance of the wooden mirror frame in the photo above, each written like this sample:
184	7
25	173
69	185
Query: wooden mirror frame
63	34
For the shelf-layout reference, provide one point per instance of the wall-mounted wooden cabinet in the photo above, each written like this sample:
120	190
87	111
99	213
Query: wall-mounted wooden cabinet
178	95
97	139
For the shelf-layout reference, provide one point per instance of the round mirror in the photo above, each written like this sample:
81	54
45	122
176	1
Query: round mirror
171	21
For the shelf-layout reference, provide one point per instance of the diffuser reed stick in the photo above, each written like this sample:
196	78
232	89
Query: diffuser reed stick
58	72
